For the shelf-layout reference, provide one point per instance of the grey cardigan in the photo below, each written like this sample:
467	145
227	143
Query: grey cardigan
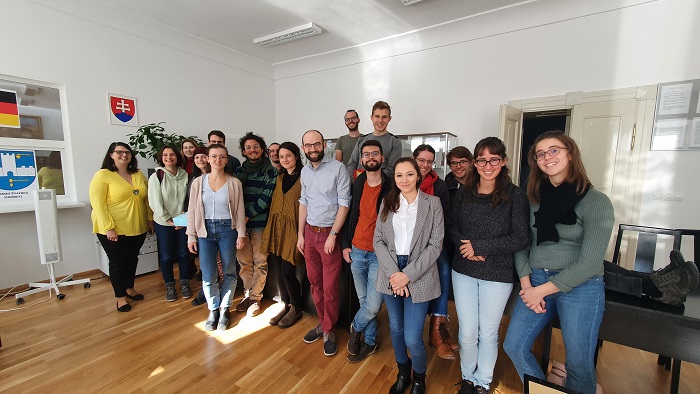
426	244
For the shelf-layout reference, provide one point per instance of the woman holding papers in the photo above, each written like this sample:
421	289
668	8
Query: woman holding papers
167	191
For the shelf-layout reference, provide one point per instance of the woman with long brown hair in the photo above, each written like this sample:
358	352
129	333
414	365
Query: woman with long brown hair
562	272
407	241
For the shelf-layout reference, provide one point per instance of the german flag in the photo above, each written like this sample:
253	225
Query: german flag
9	117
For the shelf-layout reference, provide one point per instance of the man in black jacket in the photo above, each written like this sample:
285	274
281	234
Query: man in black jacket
368	191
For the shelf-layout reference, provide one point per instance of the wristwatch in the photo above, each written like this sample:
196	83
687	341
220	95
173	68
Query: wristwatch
333	232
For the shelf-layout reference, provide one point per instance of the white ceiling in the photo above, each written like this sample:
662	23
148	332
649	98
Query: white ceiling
346	23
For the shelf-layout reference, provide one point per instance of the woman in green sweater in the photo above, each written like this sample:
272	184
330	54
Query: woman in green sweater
562	272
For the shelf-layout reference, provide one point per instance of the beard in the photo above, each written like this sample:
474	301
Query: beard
372	166
318	158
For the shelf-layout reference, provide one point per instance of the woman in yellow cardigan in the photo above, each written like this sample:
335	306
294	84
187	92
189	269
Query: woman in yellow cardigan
121	217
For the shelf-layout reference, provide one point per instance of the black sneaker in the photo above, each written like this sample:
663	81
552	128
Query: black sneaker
365	350
677	283
314	335
243	305
481	390
185	288
212	320
170	293
329	346
200	299
467	387
355	341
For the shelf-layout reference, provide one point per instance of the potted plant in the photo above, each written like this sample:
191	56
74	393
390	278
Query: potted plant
149	138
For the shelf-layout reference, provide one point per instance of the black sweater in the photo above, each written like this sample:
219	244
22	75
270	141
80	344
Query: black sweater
496	232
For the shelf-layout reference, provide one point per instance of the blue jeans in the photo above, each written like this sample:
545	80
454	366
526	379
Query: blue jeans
438	306
580	313
220	238
364	269
480	305
172	246
406	321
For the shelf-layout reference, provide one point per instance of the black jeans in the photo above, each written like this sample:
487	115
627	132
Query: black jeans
289	286
624	281
123	255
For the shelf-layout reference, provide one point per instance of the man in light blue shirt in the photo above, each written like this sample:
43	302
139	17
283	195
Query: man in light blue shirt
323	206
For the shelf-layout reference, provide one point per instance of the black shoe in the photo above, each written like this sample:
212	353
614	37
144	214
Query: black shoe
170	293
314	335
329	345
135	297
123	308
200	299
185	288
355	342
466	388
213	318
418	383
365	350
403	379
224	320
481	390
675	284
243	305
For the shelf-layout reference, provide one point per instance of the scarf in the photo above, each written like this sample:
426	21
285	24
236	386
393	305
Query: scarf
426	185
261	165
556	206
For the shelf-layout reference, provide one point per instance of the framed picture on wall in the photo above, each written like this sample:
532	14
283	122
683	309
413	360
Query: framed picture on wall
30	128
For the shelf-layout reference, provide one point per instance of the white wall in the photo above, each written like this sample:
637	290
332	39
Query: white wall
454	77
194	87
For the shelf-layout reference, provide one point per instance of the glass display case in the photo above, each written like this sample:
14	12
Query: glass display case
442	142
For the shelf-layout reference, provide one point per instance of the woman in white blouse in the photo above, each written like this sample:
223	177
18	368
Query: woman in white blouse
407	241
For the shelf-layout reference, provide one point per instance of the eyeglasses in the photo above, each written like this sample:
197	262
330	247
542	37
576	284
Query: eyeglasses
252	147
316	145
220	157
552	151
366	155
460	163
423	162
353	119
494	161
122	152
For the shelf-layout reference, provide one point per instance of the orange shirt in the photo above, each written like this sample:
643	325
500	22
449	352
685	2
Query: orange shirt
367	218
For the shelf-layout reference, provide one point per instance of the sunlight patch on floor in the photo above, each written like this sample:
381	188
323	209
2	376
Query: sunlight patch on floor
245	326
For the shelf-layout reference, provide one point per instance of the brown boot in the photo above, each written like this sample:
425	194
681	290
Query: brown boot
445	331
437	340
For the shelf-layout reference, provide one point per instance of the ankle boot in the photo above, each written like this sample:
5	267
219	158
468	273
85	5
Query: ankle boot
418	383
403	379
437	340
446	333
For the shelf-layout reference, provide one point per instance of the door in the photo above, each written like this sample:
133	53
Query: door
604	132
510	130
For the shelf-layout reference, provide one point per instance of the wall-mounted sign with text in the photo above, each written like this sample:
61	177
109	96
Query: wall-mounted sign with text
17	175
677	123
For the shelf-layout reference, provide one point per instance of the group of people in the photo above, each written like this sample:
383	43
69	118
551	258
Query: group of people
410	238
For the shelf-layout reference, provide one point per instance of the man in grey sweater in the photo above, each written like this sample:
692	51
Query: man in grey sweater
391	146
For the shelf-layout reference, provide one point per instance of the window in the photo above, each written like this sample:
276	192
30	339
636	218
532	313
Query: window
34	144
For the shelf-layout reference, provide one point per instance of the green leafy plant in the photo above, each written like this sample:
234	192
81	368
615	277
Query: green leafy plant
149	138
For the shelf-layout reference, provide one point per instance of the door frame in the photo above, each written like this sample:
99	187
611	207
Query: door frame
644	122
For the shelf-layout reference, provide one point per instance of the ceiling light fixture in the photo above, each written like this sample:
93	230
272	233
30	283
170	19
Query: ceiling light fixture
295	33
409	2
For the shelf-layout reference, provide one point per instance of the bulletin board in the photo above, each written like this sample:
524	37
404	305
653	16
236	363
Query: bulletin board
677	120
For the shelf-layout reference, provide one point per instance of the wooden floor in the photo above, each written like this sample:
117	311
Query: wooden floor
81	344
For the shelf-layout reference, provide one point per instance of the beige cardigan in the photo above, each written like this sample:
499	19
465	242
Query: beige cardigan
195	211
